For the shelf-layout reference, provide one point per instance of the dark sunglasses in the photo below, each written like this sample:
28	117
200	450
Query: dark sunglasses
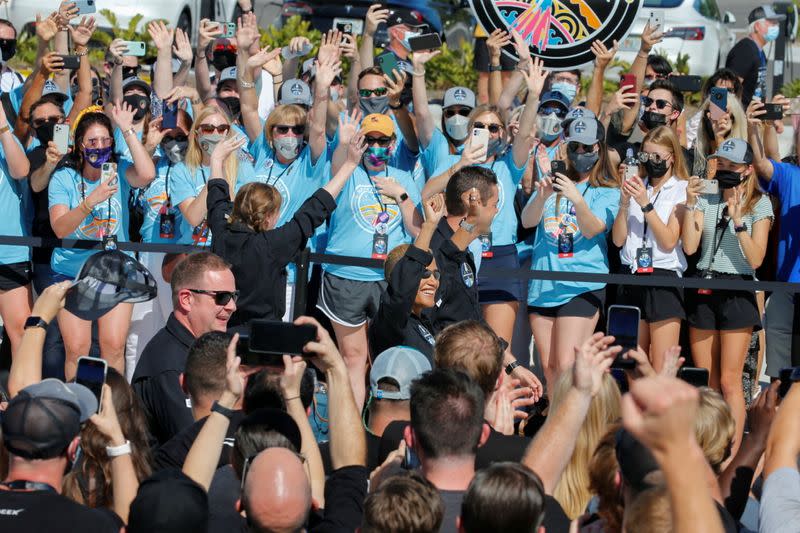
577	147
211	128
220	297
300	129
655	158
660	104
428	273
380	141
493	128
448	113
177	138
549	110
39	122
366	93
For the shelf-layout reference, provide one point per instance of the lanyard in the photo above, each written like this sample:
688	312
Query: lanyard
166	183
375	189
83	199
22	484
203	173
279	176
572	206
644	216
718	234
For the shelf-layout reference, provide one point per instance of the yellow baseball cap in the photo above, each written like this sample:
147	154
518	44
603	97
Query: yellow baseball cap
378	123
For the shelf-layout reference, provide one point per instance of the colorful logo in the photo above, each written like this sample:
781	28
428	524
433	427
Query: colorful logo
563	222
560	32
101	221
366	207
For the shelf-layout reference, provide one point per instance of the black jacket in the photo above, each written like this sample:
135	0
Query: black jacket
259	259
156	382
457	298
394	324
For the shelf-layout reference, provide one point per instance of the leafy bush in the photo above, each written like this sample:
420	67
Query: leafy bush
27	45
791	89
129	33
293	27
454	66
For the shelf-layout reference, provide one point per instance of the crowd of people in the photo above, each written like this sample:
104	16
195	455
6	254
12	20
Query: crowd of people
410	409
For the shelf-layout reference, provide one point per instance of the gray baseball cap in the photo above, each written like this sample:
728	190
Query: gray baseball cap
295	91
459	96
401	364
584	130
764	12
736	151
228	73
309	68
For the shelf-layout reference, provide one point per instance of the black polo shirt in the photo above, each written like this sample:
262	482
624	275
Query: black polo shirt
156	381
41	510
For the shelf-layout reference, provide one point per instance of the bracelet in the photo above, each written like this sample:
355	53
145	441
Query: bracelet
129	131
403	197
691	207
418	74
116	451
493	68
5	129
85	207
510	367
649	207
247	84
398	106
224	411
644	55
81	54
292	398
117	62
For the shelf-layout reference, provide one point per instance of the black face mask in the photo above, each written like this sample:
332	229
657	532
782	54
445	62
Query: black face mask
655	170
129	72
233	105
8	47
45	132
652	120
139	104
223	60
728	179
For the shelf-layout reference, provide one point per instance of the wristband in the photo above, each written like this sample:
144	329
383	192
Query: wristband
290	399
403	197
511	366
493	68
4	129
740	229
224	411
129	131
116	451
417	73
85	207
398	106
649	207
247	84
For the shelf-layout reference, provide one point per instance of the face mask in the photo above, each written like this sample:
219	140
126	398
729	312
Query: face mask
728	179
97	156
174	150
287	147
45	132
374	104
233	104
8	47
648	83
548	127
408	35
333	94
129	72
378	155
772	34
583	163
209	142
456	127
495	147
565	88
223	60
656	170
652	120
139	104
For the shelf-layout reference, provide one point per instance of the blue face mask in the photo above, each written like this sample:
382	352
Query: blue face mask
406	36
565	88
772	33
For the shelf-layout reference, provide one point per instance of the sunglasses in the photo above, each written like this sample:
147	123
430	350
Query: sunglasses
549	110
211	128
300	129
366	93
493	128
220	297
177	138
39	122
660	104
380	141
428	273
577	147
449	113
655	158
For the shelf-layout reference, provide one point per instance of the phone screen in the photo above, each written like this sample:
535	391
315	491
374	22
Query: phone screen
275	337
623	324
91	374
169	116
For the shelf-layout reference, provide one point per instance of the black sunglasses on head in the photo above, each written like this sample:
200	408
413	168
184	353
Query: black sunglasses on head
220	297
493	128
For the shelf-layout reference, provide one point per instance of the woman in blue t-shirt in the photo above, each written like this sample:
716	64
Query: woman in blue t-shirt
573	213
82	206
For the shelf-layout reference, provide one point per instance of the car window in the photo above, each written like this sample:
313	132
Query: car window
662	3
707	8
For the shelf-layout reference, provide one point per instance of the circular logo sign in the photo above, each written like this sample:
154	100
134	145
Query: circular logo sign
560	32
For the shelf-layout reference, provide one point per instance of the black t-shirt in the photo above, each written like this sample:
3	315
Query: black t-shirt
345	491
749	62
222	495
28	511
173	453
373	453
41	209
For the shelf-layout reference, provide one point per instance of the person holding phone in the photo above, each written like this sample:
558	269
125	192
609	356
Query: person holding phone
730	230
648	229
573	213
714	129
84	207
723	78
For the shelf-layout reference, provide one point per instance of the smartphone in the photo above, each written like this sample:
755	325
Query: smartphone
694	376
279	338
787	377
558	166
61	137
719	102
687	84
85	7
773	112
345	27
410	460
623	324
621	378
228	30
710	187
794	106
134	48
429	41
70	62
169	116
628	79
657	20
387	61
92	375
108	173
480	137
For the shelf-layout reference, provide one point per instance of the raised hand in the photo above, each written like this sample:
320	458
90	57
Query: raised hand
179	93
754	112
227	146
523	51
349	46
389	187
122	115
568	188
234	380
207	33
395	83
52	62
46	29
376	14
82	33
650	38
434	208
323	351
268	59
622	100
246	31
106	420
602	55
735	206
66	12
536	77
52	154
635	189
472	155
297	44
495	43
117	49
160	34
154	134
693	191
329	47
592	359
356	147
327	69
418	59
292	377
672	362
762	413
182	47
348	125
51	301
102	192
544	187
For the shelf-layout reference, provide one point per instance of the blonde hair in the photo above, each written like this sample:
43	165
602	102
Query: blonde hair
714	427
703	144
572	491
194	154
283	114
664	136
254	203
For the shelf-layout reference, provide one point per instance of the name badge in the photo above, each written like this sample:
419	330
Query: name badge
109	242
200	233
565	245
644	260
486	246
380	245
706	292
166	225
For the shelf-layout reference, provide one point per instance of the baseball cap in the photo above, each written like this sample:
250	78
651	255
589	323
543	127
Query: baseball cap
106	279
41	421
134	81
577	112
584	131
275	420
404	17
401	364
309	68
735	151
50	87
635	460
764	12
554	97
295	91
459	96
228	73
169	501
378	123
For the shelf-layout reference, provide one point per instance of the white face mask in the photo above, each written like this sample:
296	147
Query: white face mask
456	127
287	147
548	126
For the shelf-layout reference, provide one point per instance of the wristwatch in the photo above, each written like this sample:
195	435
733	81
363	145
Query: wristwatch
224	411
740	229
403	197
649	207
35	322
493	68
116	451
511	366
466	226
247	84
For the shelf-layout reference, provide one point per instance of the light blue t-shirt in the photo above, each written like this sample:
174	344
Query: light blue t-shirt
354	222
17	209
155	197
110	217
589	255
188	184
437	154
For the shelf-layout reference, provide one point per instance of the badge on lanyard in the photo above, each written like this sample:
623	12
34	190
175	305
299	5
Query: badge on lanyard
380	245
109	242
166	225
565	245
425	334
486	245
706	275
467	275
644	260
200	233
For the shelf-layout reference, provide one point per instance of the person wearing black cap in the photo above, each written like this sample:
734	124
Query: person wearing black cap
747	58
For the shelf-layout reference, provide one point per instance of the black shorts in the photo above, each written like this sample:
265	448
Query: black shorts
655	303
481	59
584	305
723	310
14	275
499	290
349	302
